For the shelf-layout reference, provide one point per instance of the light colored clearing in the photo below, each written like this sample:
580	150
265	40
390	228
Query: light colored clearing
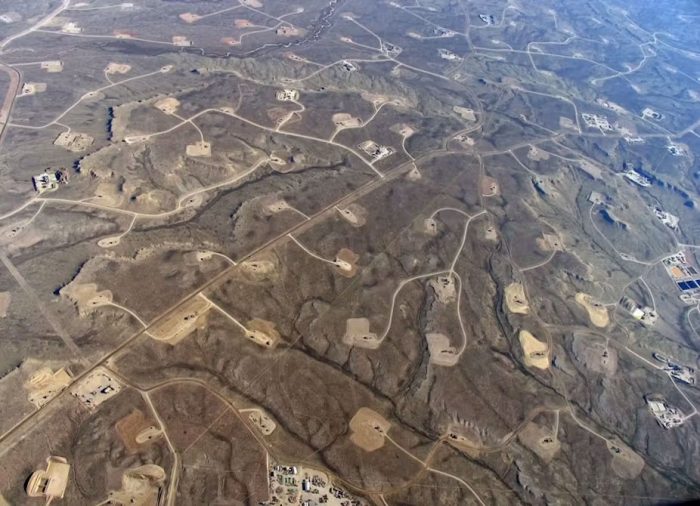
489	187
287	95
181	40
108	194
288	31
74	141
277	206
71	27
182	322
414	174
50	483
5	298
465	140
403	129
45	384
148	434
626	463
375	99
595	355
168	105
230	41
140	486
464	113
540	440
257	4
490	233
549	242
109	242
441	352
96	388
468	443
258	270
189	17
86	296
430	226
592	170
117	68
345	120
368	428
242	23
32	89
354	214
122	34
135	430
346	262
199	148
262	333
357	334
597	313
52	66
565	122
515	299
277	160
444	287
537	154
535	352
261	420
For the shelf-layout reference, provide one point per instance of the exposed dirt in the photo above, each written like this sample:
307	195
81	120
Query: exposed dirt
367	429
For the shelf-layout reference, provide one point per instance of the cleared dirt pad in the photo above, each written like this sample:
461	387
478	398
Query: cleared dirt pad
537	154
261	421
167	105
465	438
202	149
288	31
540	440
189	17
357	334
263	333
594	354
444	288
368	428
441	352
430	227
140	486
45	384
345	120
490	233
175	327
414	175
346	261
549	242
135	430
74	141
464	113
86	296
117	68
489	187
354	214
535	352
626	463
264	267
515	299
597	313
